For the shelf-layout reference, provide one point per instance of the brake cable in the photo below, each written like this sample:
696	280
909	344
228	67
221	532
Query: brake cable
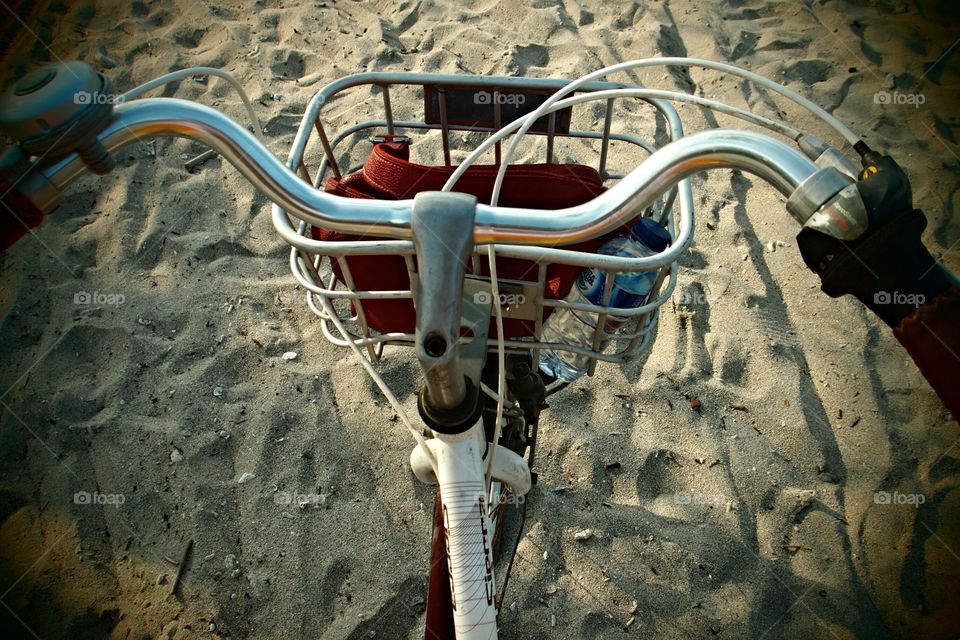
523	521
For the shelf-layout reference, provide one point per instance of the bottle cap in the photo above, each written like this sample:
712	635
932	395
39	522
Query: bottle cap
650	233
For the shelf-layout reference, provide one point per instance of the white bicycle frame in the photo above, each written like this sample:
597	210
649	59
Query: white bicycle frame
469	536
459	470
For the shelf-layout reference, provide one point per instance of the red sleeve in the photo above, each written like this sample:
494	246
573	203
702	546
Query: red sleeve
931	335
17	216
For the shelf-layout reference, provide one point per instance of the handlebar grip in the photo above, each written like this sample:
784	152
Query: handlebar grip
17	215
894	275
931	335
888	269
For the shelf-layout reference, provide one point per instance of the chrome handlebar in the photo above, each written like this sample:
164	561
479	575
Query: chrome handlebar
775	162
451	218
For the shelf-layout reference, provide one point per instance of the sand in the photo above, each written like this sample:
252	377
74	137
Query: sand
752	517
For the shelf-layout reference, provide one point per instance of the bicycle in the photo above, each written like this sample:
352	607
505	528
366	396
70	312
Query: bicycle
481	412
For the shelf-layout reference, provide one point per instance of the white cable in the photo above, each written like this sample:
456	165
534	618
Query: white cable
528	121
501	365
493	395
199	71
779	126
392	399
775	125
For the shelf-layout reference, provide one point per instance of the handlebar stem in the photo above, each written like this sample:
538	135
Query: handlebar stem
442	227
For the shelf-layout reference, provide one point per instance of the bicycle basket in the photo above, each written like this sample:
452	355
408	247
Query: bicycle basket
369	282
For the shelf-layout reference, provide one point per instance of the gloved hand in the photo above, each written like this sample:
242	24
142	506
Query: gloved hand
887	268
891	272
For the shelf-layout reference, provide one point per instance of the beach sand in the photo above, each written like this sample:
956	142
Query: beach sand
754	516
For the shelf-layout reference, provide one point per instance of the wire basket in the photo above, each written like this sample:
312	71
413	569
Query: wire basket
432	106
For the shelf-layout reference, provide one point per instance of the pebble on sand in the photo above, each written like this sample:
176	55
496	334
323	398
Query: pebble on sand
289	355
584	535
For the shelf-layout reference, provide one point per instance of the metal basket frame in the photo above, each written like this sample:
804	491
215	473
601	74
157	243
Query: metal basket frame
313	269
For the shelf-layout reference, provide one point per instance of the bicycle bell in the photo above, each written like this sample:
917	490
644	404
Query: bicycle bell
60	109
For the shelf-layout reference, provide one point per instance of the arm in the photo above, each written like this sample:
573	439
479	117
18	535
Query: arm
892	273
931	335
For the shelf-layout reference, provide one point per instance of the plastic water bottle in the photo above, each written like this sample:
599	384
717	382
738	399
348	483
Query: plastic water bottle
630	290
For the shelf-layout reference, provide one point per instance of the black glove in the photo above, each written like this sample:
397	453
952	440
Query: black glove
887	268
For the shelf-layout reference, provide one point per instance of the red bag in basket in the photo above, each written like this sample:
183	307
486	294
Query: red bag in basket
389	175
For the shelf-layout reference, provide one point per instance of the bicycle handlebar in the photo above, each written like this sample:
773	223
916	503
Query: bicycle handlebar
824	201
783	167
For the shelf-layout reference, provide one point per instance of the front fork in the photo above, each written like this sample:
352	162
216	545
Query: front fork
450	405
458	466
468	535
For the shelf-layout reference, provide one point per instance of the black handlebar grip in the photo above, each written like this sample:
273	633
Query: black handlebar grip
888	268
893	274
